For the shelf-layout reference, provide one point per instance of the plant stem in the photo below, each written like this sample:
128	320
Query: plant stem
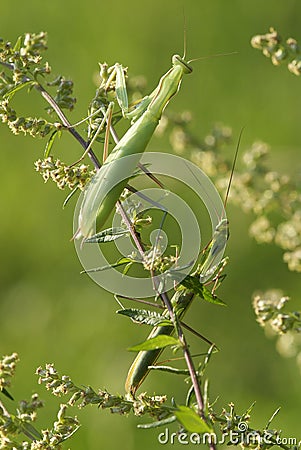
49	99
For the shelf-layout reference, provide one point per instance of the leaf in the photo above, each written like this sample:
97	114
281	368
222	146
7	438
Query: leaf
50	142
193	283
125	260
69	196
170	369
271	418
157	424
120	262
98	269
68	435
127	268
213	349
155	343
191	421
31	432
108	235
6	393
145	316
212	298
17	88
249	410
18	44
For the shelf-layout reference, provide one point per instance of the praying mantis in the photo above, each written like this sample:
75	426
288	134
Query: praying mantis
182	299
105	188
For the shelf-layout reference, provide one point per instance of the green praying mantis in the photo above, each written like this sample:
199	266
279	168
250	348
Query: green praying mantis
104	190
208	271
102	194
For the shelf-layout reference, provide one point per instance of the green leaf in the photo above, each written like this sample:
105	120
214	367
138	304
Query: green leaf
127	267
159	423
155	343
108	235
211	298
69	196
125	260
18	44
249	410
170	369
119	263
109	266
6	393
271	418
31	432
50	142
144	316
191	421
193	283
17	88
98	269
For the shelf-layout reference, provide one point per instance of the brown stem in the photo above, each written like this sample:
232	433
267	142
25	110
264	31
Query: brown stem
187	355
50	100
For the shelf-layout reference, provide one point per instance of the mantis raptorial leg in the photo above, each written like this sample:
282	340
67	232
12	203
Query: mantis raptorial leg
106	116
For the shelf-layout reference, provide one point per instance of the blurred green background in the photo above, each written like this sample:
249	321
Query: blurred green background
48	312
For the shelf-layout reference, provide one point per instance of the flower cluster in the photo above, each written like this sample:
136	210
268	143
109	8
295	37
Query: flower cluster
22	63
237	431
18	433
268	308
272	197
62	174
13	427
64	91
272	46
25	55
117	404
34	126
7	369
17	430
